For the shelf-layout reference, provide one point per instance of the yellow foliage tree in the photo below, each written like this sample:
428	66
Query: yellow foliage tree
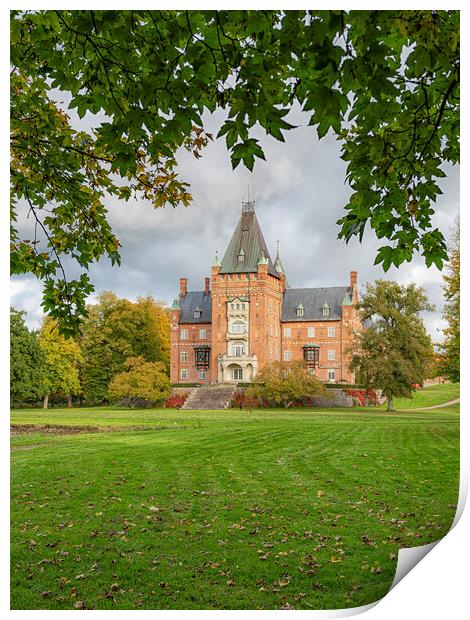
62	359
285	382
140	380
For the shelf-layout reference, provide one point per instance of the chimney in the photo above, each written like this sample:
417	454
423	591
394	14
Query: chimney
353	279
207	286
183	286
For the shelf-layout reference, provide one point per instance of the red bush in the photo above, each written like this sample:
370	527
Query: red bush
365	398
176	401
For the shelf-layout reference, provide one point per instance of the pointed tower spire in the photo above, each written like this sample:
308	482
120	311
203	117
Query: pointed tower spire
278	263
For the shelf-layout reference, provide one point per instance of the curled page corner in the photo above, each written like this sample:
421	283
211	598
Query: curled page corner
409	557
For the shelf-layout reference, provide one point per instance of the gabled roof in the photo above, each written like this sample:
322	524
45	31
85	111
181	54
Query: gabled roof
313	300
249	238
195	300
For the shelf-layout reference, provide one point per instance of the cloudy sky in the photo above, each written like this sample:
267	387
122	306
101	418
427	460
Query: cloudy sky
300	193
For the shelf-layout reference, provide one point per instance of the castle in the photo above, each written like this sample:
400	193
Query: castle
248	316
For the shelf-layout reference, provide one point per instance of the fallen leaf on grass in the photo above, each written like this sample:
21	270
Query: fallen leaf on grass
335	558
320	493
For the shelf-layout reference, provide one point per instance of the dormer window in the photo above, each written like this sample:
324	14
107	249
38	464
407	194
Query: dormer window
197	313
326	309
300	310
241	256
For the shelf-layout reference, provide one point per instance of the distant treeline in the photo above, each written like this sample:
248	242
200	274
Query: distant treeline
45	367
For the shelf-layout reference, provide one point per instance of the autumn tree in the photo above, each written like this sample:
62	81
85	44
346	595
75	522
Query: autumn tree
385	83
62	359
394	352
285	382
450	348
116	329
140	380
26	361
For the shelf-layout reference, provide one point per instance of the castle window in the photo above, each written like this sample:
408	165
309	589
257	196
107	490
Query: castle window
312	355
238	306
238	328
202	374
300	310
326	309
237	374
241	257
184	356
184	334
202	356
311	332
331	332
202	334
331	354
197	313
184	373
238	350
232	306
287	332
287	356
331	375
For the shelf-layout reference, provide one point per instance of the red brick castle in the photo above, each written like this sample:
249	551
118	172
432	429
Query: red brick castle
247	316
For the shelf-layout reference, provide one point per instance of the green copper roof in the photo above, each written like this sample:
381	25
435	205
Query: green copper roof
249	238
175	305
347	300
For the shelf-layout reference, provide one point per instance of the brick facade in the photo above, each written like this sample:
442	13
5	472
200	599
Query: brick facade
247	316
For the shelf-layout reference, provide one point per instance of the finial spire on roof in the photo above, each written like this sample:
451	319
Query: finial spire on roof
278	263
216	261
248	206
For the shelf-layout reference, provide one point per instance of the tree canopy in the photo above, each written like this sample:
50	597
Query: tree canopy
386	83
140	380
26	361
394	352
116	329
449	362
62	359
284	382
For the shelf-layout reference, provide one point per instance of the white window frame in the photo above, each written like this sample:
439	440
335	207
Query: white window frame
184	356
287	356
239	327
331	375
238	350
183	373
287	332
202	374
237	374
184	334
202	334
331	355
331	332
310	332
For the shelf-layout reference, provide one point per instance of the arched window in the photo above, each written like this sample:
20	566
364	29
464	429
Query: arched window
300	310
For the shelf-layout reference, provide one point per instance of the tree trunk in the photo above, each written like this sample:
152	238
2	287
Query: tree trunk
45	404
390	406
69	401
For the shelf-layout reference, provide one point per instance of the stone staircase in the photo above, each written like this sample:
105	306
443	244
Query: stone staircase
210	397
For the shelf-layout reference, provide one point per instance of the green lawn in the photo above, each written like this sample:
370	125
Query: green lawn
429	396
229	509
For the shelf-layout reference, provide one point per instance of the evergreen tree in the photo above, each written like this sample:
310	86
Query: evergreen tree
116	329
62	359
450	360
393	353
26	361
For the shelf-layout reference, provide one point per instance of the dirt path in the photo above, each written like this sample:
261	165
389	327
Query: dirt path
449	402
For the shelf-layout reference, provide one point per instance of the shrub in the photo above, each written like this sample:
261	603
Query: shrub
176	401
364	397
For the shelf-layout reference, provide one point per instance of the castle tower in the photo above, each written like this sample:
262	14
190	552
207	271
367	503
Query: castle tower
246	304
